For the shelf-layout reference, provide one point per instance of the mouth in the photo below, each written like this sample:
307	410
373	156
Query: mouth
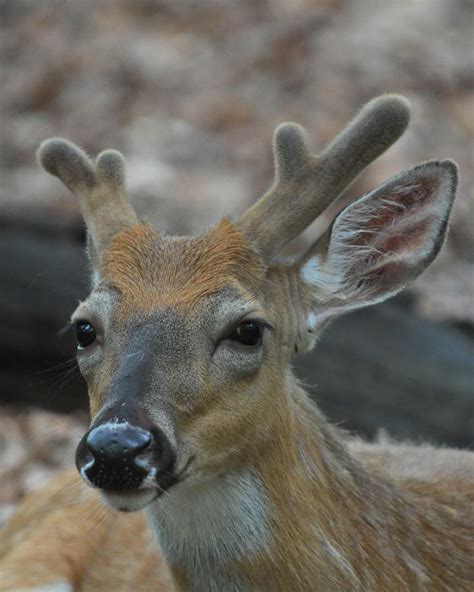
129	501
134	500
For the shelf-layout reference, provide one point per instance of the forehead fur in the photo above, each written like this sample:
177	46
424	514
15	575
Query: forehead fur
150	270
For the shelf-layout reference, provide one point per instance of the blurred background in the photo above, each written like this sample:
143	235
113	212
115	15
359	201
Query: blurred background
190	92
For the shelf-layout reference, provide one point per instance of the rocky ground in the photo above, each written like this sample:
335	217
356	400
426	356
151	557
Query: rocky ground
190	92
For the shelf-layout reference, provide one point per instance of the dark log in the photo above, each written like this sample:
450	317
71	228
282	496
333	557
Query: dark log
42	277
380	367
385	367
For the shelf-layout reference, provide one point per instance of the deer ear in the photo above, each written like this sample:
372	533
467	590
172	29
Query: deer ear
380	243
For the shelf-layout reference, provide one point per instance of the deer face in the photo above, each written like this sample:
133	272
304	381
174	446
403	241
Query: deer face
175	335
185	343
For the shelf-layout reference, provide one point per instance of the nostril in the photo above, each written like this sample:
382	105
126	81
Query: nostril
140	442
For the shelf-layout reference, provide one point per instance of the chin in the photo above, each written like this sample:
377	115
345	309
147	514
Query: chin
129	501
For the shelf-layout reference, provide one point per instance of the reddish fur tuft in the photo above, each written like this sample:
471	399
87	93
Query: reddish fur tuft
150	270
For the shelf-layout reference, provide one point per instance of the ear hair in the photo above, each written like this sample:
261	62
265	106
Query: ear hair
93	259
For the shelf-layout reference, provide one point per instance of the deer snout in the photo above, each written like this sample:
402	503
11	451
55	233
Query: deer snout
119	456
110	455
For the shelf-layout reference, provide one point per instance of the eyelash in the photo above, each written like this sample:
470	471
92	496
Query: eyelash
64	330
232	328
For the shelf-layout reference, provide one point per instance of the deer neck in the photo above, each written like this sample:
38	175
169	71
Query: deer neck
289	511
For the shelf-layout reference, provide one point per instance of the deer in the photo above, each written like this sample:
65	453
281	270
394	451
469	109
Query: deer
206	466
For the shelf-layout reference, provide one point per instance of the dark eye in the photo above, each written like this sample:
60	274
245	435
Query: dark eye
248	333
85	333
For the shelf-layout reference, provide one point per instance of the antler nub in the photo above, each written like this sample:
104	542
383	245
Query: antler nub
111	168
68	162
291	151
306	184
100	186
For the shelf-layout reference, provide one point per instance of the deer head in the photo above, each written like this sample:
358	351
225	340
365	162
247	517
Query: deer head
186	342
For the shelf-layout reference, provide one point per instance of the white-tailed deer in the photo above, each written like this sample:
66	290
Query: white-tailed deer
197	419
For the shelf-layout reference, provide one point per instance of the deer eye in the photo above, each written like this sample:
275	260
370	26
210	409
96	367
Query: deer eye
248	333
85	333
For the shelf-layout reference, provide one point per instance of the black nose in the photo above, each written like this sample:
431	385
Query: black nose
118	442
115	448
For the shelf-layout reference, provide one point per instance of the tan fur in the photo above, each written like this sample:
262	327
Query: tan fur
63	533
383	530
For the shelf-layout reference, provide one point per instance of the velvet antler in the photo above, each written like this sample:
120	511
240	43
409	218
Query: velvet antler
306	184
99	186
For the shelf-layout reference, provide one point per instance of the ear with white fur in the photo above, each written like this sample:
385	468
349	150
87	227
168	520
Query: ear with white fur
380	243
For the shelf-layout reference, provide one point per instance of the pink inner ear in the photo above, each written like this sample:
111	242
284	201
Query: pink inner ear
393	227
387	223
423	189
411	238
383	241
410	199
